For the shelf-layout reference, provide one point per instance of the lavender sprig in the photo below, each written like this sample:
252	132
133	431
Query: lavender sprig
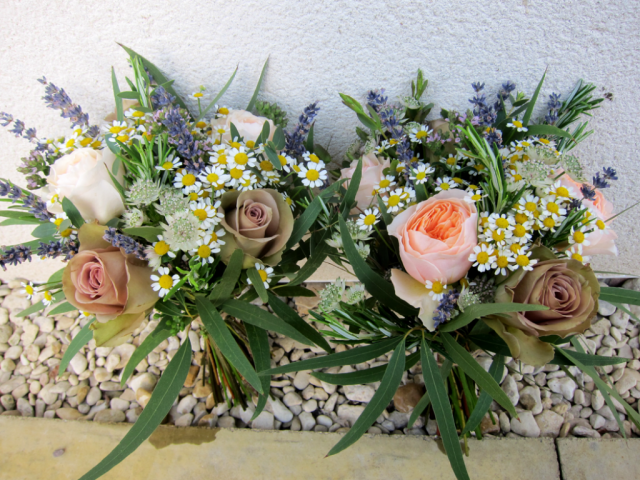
295	140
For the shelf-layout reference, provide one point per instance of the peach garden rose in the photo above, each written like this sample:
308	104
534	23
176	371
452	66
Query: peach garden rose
372	167
435	240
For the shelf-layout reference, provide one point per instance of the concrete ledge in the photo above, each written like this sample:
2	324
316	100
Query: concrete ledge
587	459
27	446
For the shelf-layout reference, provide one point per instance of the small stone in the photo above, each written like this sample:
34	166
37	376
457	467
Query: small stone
145	380
186	404
605	308
32	353
530	398
8	402
280	411
291	399
597	421
601	327
110	386
94	395
102	374
109	416
510	388
29	334
264	421
227	422
119	404
7	365
549	423
487	425
142	397
597	400
202	391
210	420
565	386
307	421
525	425
301	380
399	419
184	420
359	393
432	426
310	406
112	361
564	430
83	391
324	420
580	431
407	397
620	320
628	381
350	413
11	384
505	424
14	352
79	363
191	376
66	413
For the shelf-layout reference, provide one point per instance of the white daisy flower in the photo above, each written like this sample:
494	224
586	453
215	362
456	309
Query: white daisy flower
419	134
164	282
48	298
188	182
313	174
575	253
502	263
578	236
288	200
436	289
368	219
28	289
451	162
311	157
205	250
483	256
213	176
385	185
241	158
396	200
421	173
289	164
219	157
266	274
517	125
444	184
248	182
237	176
523	260
171	163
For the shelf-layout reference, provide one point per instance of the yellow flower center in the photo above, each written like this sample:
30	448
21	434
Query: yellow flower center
497	236
576	256
483	257
66	233
137	114
521	218
47	296
198	94
515	248
296	168
437	287
314	158
421	175
58	221
193	196
478	167
451	161
167	165
600	224
213	178
502	223
370	219
484	220
222	159
283	160
201	124
266	165
313	175
578	237
165	282
223	111
28	289
263	275
201	213
502	262
385	183
544	140
241	158
235	144
553	207
477	197
161	248
421	134
188	180
530	207
522	260
562	192
204	251
393	141
85	142
520	231
236	173
115	130
549	222
445	186
517	124
517	177
393	201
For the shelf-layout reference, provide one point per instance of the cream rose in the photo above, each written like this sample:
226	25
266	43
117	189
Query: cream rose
435	240
82	177
372	167
602	238
248	125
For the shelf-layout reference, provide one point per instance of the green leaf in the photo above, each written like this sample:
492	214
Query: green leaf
257	90
278	138
223	290
382	397
58	297
547	130
155	338
293	291
56	277
218	96
377	286
160	403
63	308
352	103
116	92
234	131
150	234
257	283
308	144
532	102
72	212
44	230
316	259
469	365
484	401
80	340
289	315
19	221
361	377
272	155
304	222
619	295
129	95
424	402
261	352
255	315
442	410
590	360
350	196
626	310
348	357
386	218
264	134
16	214
157	75
219	331
484	309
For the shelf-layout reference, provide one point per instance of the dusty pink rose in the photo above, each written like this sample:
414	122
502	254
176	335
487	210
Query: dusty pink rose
435	238
601	240
372	167
249	125
102	280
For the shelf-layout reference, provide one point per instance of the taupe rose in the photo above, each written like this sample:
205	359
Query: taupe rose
260	223
102	280
570	290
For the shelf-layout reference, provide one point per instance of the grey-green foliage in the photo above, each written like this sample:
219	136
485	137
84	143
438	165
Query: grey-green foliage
273	112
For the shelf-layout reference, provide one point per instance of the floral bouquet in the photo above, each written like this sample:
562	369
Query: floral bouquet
470	232
189	214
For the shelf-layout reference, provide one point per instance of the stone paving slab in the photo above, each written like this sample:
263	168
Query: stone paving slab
588	459
27	446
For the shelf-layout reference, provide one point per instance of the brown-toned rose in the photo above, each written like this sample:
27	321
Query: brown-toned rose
102	280
260	223
570	290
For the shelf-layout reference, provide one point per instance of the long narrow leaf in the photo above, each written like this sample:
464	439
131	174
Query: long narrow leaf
161	401
116	92
442	410
360	377
377	286
80	340
350	196
155	338
57	297
484	309
382	397
316	259
72	212
619	295
475	371
484	401
349	357
424	402
532	102
289	315
254	97
223	290
259	343
220	334
258	284
218	96
63	308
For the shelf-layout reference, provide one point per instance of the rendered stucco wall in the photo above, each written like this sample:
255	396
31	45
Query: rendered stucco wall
320	48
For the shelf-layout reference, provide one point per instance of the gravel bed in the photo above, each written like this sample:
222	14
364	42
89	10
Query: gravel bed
550	403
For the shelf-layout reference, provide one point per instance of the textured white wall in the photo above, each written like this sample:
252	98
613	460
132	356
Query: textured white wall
318	49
